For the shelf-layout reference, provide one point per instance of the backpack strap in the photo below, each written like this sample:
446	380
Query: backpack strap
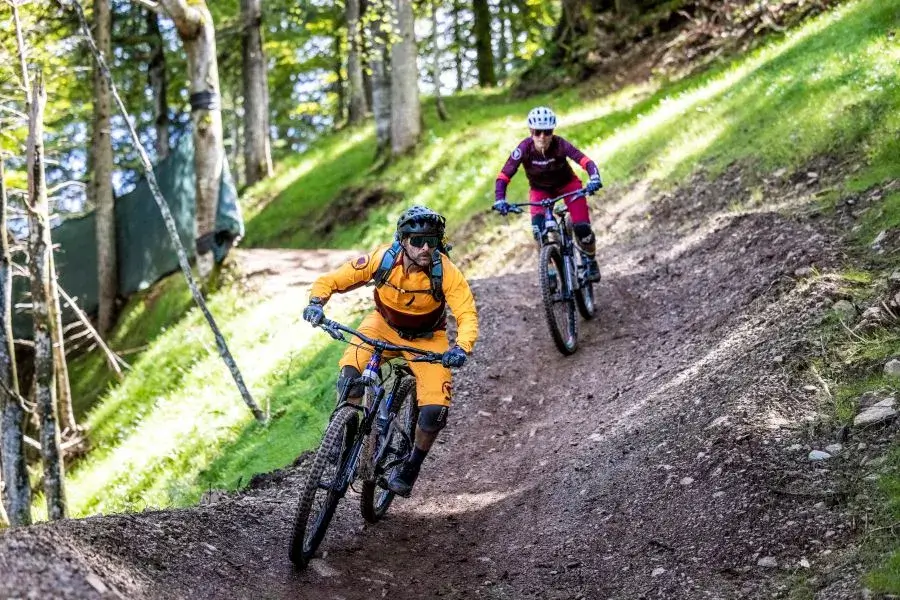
389	260
437	276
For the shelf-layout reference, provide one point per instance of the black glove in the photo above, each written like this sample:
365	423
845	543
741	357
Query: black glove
314	313
454	357
594	184
503	207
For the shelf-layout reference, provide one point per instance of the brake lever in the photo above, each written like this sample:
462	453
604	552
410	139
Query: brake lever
333	332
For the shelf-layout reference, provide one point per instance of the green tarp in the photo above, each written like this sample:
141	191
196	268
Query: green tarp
145	252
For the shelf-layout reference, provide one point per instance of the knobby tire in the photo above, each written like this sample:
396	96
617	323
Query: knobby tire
565	335
306	536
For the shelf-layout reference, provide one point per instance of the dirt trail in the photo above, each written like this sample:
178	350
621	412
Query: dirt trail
654	463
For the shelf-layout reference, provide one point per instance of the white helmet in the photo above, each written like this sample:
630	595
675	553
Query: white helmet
541	118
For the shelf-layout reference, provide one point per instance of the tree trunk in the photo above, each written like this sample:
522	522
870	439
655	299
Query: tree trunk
436	64
257	149
101	182
340	87
197	32
406	116
236	144
485	55
159	85
358	108
39	251
502	45
381	78
63	388
458	45
13	471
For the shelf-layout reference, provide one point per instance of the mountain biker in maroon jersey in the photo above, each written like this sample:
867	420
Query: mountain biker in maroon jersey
543	155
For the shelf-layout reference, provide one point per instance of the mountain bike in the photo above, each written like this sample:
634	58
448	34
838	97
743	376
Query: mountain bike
563	270
367	442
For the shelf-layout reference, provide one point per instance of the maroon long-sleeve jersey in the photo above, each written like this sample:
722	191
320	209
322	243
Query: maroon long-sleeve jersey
546	171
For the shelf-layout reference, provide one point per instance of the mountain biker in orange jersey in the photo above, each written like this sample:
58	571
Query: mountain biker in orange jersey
543	155
415	282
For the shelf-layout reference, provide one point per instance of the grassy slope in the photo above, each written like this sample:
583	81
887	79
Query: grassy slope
176	427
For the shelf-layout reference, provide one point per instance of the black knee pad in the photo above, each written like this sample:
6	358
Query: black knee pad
432	418
585	235
347	375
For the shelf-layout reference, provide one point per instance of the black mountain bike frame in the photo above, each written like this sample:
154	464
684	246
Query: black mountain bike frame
378	413
553	233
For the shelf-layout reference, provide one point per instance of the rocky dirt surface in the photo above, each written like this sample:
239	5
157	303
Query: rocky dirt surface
667	458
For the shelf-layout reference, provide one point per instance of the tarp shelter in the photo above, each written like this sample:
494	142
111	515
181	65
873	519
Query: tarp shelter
145	251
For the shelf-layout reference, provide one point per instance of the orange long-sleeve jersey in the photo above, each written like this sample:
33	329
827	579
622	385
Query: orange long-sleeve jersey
406	298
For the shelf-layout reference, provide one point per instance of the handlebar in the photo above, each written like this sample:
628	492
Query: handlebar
548	203
335	330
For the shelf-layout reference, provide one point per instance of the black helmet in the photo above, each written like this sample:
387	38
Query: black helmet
420	219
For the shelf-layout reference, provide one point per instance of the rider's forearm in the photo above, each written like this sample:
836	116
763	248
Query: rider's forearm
500	186
462	304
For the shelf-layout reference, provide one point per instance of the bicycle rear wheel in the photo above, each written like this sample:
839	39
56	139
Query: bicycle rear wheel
560	312
319	496
375	500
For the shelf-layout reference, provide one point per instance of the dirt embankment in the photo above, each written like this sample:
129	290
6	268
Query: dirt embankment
666	459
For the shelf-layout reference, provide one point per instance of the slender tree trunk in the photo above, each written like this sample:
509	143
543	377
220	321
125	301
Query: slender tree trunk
458	45
101	182
502	45
61	367
236	143
17	488
340	86
485	54
13	472
257	152
436	64
406	115
41	264
381	77
197	32
159	85
358	108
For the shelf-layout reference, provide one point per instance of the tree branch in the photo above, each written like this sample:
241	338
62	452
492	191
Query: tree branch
151	6
187	19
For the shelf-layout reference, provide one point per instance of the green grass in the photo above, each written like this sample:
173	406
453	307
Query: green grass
176	425
886	577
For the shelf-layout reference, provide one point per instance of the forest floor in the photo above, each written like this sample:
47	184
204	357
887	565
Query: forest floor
667	458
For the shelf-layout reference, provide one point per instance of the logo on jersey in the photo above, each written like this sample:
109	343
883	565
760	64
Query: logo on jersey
447	389
517	154
360	263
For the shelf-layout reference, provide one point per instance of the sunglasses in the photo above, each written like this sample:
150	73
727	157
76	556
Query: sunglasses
540	132
419	241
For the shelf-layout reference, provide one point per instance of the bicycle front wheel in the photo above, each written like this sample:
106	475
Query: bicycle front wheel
375	500
320	493
584	295
559	310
